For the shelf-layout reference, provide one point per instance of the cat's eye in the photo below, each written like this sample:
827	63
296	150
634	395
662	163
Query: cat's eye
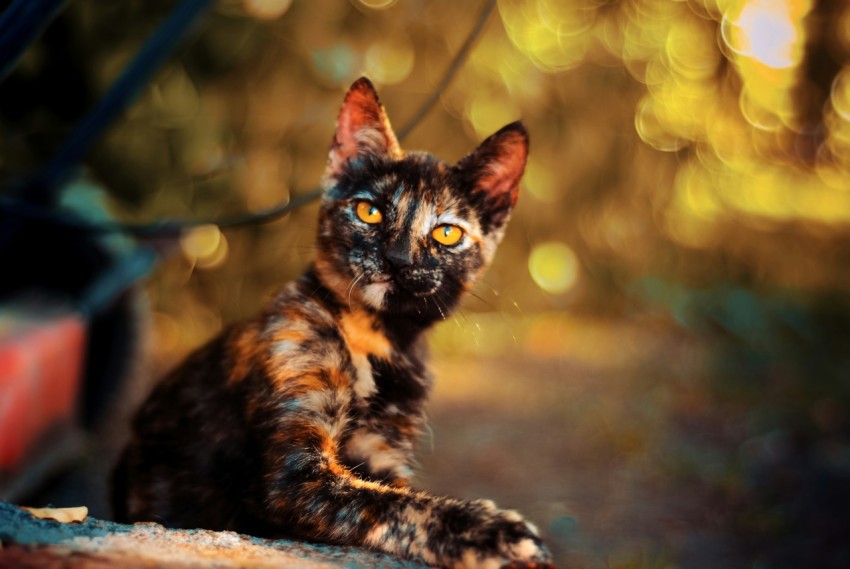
447	234
369	213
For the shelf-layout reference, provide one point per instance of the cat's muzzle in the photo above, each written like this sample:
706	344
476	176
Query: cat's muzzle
419	282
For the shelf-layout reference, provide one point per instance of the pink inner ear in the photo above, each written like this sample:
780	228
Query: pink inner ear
360	111
498	186
362	127
504	171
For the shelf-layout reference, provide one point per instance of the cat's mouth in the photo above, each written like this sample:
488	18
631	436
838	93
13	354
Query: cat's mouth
418	282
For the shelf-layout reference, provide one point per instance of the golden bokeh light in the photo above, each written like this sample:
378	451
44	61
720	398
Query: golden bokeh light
390	62
377	4
201	241
769	31
488	112
690	50
553	267
654	127
653	124
839	95
205	246
540	181
216	258
554	35
767	39
267	9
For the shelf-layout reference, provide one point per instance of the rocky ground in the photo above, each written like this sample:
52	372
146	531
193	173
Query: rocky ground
29	542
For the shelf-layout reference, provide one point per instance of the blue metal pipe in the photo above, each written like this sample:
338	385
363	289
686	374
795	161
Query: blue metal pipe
20	24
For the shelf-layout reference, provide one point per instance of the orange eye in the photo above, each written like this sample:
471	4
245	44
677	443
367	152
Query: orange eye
447	234
369	213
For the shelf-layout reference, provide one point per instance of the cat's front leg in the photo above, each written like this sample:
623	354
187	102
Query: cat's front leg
317	498
308	491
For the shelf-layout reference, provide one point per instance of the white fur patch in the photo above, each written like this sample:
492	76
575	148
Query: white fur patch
470	560
372	448
364	386
525	549
376	535
318	402
288	349
374	294
424	222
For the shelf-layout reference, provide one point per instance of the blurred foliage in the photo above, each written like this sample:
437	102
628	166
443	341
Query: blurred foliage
690	166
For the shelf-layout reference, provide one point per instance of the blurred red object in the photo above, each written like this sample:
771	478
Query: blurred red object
41	362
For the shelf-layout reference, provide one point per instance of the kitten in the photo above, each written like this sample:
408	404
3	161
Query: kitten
302	422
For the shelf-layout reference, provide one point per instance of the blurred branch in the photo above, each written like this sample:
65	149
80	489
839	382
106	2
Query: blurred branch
162	228
172	228
20	24
452	70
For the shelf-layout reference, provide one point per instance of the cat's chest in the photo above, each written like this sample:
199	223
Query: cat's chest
364	343
400	385
388	385
383	375
380	439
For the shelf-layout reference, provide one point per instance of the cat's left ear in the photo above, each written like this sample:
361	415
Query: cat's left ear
362	129
493	172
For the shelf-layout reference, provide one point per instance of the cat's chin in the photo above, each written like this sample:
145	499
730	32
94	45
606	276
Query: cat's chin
394	297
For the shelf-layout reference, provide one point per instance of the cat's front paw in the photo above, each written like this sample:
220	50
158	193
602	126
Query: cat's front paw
489	538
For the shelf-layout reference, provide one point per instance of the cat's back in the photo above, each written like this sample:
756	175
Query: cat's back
199	437
246	363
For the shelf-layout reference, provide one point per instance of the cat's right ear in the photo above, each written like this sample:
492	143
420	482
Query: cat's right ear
493	172
362	129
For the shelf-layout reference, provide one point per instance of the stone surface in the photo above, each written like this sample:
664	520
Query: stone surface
28	542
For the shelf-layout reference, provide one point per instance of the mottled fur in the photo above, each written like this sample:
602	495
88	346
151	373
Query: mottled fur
303	421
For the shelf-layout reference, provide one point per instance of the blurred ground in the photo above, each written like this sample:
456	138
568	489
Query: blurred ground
584	449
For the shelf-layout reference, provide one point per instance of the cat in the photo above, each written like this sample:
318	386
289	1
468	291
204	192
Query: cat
302	423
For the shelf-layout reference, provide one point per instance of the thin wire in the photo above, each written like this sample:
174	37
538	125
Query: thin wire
173	228
451	71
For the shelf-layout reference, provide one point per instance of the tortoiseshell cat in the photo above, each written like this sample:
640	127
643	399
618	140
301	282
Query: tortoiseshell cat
302	422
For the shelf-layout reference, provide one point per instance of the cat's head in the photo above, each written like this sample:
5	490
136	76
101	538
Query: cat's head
406	233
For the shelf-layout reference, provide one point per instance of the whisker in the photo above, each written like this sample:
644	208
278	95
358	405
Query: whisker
354	281
439	307
444	309
482	299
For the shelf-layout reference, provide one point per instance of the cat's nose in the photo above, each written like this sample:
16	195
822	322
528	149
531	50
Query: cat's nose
399	255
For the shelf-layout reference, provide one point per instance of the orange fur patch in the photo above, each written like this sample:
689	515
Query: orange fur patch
338	379
328	276
363	337
289	335
241	351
